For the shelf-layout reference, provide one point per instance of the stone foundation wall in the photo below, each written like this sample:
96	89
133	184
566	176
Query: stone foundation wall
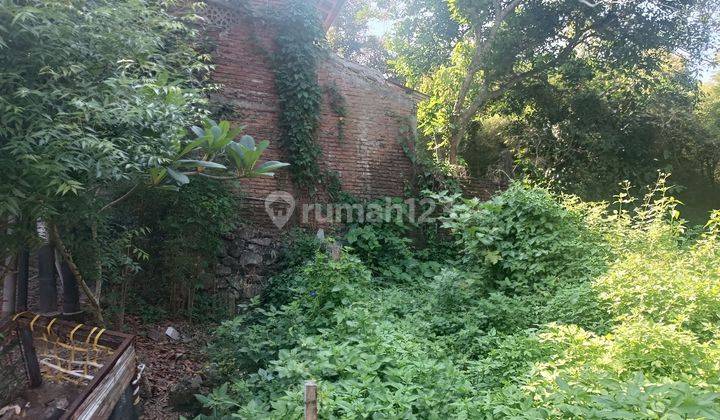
245	263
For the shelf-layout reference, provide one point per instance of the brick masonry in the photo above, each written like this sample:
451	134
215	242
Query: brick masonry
369	161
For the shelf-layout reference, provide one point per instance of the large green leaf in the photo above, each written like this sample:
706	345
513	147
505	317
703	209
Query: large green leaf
248	142
198	131
270	166
203	163
181	178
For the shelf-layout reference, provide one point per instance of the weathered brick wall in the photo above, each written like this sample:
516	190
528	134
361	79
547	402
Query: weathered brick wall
369	161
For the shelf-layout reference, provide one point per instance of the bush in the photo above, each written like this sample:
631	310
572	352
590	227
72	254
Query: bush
391	252
301	248
185	234
527	335
580	305
672	285
315	291
526	239
566	372
663	350
386	251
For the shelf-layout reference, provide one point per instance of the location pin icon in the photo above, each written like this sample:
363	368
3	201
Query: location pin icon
280	206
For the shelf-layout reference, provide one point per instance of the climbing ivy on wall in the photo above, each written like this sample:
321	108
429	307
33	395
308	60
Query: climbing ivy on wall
299	45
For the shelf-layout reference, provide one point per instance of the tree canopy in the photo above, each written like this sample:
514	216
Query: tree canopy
582	93
510	43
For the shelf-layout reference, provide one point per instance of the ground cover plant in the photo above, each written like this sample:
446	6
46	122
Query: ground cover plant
552	308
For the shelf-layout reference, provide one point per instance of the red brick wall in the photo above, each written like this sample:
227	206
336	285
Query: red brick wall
370	160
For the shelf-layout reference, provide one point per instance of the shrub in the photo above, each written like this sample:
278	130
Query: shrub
301	249
509	357
385	250
526	239
315	291
566	372
468	316
388	248
662	350
580	305
523	335
671	285
327	285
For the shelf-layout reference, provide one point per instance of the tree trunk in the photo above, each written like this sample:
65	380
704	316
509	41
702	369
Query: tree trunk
123	297
98	265
47	280
9	286
71	292
457	135
23	275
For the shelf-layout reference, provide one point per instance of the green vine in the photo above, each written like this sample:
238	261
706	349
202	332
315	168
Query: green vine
299	46
299	42
339	107
428	174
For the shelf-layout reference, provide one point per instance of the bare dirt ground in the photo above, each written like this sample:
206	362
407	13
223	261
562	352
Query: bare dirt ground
172	366
48	401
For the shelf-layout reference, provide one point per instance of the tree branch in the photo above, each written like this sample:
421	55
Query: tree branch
481	99
121	199
482	46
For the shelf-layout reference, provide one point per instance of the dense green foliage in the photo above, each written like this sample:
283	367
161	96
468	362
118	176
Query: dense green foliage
92	94
185	234
296	61
351	38
524	237
96	97
507	46
98	102
423	38
554	308
591	126
531	305
580	94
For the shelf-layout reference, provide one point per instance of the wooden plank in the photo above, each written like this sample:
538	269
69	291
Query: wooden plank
311	403
32	367
98	399
101	401
62	328
125	408
109	368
